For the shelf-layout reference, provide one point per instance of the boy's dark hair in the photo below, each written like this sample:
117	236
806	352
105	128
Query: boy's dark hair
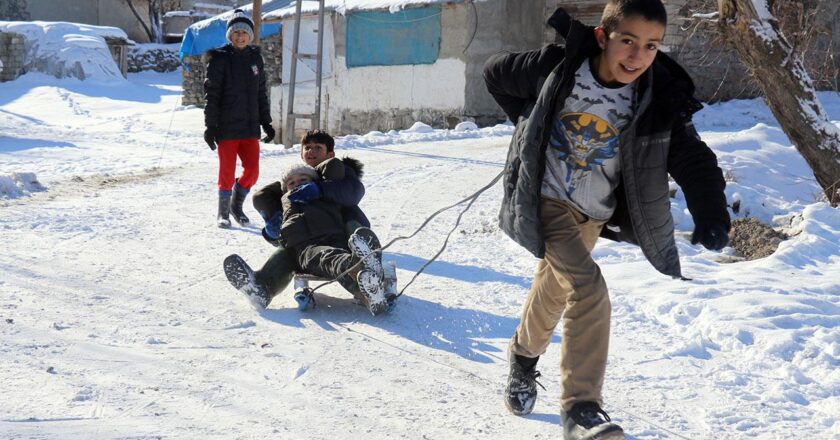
318	137
617	10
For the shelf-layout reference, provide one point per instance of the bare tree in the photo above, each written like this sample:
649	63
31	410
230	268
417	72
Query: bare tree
153	30
750	28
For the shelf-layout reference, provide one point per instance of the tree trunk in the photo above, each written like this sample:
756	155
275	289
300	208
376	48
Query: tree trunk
140	19
748	26
155	21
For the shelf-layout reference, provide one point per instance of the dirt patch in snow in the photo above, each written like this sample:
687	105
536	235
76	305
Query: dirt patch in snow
88	186
752	239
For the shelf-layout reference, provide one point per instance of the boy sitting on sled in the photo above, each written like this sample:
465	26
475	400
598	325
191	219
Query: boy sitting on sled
314	235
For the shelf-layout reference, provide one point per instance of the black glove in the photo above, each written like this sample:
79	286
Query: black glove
712	235
269	133
210	137
560	21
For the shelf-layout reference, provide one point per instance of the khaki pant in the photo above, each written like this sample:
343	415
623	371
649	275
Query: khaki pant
568	284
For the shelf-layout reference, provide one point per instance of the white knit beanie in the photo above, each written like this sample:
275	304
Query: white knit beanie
239	21
298	168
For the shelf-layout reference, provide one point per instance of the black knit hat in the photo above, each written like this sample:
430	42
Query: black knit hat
239	21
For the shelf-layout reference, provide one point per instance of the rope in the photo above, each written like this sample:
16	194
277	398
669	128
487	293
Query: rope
172	113
168	130
471	199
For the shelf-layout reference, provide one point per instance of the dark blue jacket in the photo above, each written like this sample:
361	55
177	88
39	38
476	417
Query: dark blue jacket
348	192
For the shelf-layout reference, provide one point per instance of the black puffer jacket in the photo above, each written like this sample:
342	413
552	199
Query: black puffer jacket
235	93
307	223
660	140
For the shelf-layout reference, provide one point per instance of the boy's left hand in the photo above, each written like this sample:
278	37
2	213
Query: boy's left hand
305	193
269	133
713	236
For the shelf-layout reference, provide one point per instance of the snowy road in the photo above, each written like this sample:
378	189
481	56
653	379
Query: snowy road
117	322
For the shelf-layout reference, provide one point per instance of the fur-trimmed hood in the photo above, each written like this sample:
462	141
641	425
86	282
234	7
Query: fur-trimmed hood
355	165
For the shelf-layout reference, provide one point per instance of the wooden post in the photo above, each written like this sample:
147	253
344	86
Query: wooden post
257	16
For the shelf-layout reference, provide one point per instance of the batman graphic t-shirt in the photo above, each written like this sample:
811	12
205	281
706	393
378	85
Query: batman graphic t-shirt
582	161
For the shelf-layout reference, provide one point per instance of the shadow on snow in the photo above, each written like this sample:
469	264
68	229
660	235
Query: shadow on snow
464	332
10	144
460	272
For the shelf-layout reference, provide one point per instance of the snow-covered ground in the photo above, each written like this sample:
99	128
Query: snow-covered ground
117	322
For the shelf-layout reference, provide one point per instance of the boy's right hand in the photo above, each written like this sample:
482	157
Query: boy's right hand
210	134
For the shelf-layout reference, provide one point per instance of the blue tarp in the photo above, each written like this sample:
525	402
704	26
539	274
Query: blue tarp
210	33
382	38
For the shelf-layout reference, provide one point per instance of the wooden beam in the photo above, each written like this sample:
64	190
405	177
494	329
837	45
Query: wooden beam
257	16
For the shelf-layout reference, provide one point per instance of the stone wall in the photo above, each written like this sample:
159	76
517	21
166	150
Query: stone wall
11	54
696	44
193	74
14	10
195	70
158	59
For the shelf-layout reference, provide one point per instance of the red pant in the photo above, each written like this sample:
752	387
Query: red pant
248	151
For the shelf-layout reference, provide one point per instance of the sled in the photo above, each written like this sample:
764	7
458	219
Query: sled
306	301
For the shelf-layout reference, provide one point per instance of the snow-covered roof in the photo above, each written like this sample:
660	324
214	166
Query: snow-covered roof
65	49
345	6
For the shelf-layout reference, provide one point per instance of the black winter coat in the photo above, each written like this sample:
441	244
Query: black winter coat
235	93
317	220
660	140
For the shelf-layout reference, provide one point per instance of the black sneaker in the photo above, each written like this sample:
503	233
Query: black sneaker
242	278
587	421
521	389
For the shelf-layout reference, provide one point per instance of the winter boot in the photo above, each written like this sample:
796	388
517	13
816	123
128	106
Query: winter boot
521	389
223	217
236	202
364	245
587	421
242	277
277	272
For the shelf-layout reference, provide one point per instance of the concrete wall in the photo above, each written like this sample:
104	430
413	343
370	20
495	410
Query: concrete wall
717	72
394	97
361	99
11	55
77	11
503	25
96	12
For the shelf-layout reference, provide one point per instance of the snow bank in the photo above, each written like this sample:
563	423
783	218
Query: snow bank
420	132
65	49
18	184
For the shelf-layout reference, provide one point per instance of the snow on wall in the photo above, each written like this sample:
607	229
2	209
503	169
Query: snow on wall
65	49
